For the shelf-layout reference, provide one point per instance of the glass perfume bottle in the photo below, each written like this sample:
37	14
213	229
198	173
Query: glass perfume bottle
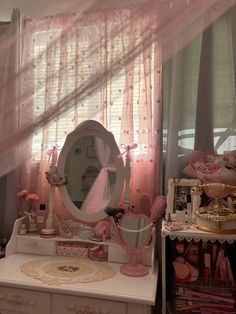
41	217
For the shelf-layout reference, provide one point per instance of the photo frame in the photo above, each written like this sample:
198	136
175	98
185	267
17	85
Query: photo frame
178	191
91	152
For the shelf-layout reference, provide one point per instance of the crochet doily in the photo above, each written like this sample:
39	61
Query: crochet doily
57	271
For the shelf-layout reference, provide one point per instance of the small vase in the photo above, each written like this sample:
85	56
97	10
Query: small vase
32	223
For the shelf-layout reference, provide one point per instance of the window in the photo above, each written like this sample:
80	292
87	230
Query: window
68	60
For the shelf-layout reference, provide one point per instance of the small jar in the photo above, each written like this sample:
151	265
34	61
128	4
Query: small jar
22	230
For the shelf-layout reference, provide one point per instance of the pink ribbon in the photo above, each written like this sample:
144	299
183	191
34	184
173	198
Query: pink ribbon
127	149
53	154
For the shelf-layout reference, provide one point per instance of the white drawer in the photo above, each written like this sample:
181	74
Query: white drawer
63	304
24	301
9	312
33	245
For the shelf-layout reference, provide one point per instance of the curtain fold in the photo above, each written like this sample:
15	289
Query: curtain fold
9	66
100	192
199	96
204	138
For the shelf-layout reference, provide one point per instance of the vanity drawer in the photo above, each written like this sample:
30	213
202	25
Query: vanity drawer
24	301
63	304
8	312
35	245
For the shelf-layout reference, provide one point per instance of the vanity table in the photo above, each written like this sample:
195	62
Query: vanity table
36	279
20	293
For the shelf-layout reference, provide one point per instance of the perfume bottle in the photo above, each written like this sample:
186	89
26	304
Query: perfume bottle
23	229
41	217
207	268
189	210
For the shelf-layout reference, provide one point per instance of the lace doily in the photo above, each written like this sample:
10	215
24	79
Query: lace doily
57	271
191	232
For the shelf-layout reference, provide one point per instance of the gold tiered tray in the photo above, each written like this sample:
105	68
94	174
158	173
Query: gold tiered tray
219	215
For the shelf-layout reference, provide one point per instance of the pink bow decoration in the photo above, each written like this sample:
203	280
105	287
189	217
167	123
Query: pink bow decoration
127	149
53	154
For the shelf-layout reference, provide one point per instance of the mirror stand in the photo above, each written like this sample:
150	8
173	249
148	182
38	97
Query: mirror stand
135	233
134	267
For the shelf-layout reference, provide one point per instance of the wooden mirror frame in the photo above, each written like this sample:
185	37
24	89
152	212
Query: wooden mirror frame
90	128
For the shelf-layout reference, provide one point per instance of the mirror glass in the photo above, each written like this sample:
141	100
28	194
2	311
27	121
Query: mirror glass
135	230
89	159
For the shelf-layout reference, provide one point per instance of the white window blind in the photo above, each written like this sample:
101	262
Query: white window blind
107	100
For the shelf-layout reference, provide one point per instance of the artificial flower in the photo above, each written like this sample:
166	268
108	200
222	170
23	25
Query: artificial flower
53	177
28	198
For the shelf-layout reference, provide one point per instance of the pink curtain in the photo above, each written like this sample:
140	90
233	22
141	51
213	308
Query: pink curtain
68	55
105	66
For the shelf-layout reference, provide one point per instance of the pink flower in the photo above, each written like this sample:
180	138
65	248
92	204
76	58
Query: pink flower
32	197
23	193
28	198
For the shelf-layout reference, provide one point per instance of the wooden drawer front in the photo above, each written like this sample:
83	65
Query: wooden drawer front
63	304
35	246
9	312
24	301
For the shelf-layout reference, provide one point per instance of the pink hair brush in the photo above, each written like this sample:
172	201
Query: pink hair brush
158	208
144	204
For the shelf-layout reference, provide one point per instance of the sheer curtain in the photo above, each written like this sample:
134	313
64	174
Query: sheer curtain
103	65
91	53
9	65
199	96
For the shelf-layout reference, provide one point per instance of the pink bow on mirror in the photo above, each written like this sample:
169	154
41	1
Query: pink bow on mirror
127	149
53	154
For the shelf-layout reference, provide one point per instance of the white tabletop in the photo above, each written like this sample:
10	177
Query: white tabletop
119	287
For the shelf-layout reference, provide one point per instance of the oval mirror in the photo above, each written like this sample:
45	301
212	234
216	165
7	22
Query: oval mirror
89	159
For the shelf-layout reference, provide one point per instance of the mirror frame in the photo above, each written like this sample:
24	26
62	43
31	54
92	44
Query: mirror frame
134	216
90	128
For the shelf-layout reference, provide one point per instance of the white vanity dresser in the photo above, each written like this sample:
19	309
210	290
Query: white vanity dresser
35	279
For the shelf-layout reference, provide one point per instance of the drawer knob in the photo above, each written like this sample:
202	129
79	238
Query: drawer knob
87	309
16	299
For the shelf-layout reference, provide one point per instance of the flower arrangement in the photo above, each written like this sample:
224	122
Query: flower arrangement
28	198
212	167
53	177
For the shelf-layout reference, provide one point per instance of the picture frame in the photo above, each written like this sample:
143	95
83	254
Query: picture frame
178	189
91	152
